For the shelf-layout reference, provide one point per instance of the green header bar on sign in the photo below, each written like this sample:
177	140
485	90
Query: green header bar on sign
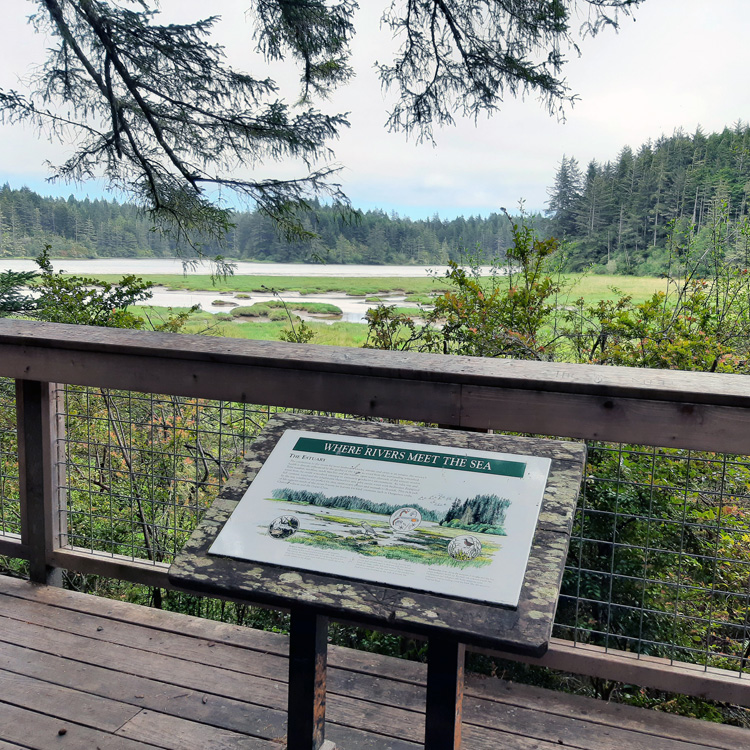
412	457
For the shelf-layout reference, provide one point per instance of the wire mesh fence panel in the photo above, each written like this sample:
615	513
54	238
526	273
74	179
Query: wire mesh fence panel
659	562
142	468
10	520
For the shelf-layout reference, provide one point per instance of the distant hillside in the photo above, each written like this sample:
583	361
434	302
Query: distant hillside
617	215
106	229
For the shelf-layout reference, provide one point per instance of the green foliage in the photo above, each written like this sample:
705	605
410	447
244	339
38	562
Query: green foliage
12	300
511	313
268	307
477	511
158	110
301	334
259	310
477	528
388	328
100	228
661	536
466	57
702	321
85	301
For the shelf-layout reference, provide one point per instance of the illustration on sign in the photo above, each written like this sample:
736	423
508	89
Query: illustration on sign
450	521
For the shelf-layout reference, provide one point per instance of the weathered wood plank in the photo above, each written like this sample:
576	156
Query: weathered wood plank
649	671
371	699
31	729
143	692
178	734
691	679
479	738
647	421
112	566
565	730
66	703
362	689
262	708
11	545
601	714
67	341
155	619
185	674
130	635
222	698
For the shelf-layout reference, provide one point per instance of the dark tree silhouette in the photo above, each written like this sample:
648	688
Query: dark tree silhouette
157	109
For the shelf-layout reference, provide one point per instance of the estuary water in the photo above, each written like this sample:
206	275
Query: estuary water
157	266
353	308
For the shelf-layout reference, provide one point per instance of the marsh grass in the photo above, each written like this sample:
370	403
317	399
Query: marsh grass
591	288
594	287
355	287
266	309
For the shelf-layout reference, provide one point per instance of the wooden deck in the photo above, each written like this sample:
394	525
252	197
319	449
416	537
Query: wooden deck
81	672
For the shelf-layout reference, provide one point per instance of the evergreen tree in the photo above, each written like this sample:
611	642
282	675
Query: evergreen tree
564	197
627	209
107	229
13	300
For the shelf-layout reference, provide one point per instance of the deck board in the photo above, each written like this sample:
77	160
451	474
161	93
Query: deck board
115	675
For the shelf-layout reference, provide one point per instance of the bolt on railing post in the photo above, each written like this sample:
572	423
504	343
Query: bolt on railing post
38	424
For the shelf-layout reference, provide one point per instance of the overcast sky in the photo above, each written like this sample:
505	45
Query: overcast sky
680	64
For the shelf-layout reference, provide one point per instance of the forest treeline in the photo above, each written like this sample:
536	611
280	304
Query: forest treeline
620	216
108	229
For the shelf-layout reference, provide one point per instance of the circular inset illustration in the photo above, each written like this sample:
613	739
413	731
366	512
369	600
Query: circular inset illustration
283	527
405	519
464	547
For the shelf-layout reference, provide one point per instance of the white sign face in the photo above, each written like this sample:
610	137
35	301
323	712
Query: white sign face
445	520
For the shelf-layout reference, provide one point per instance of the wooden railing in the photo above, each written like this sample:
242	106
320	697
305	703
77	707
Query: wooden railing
707	412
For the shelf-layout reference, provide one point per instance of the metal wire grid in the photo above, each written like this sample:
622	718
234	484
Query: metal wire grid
142	468
10	519
660	554
659	562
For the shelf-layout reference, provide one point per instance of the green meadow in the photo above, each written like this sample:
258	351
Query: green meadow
267	320
591	287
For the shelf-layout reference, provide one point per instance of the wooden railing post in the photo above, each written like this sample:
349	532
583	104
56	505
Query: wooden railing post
38	469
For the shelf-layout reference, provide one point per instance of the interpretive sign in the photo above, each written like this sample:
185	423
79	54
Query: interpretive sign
445	520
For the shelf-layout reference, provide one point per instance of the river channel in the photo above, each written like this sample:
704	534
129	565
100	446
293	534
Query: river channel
353	309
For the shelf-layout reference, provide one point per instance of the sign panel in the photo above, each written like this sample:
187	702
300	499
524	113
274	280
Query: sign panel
449	521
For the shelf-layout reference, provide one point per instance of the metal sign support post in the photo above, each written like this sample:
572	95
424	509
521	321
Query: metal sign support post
445	693
308	653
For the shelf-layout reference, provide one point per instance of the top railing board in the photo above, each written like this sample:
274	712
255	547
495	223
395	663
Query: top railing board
677	409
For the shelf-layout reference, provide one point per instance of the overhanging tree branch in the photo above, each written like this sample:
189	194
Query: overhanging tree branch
160	114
